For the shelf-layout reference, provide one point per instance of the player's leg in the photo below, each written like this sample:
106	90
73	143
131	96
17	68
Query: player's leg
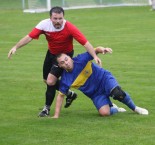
54	74
118	94
120	109
104	105
50	90
108	110
71	95
105	110
51	73
111	87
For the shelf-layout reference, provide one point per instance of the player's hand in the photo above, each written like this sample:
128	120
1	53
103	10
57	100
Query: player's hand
55	117
98	61
107	50
12	51
103	50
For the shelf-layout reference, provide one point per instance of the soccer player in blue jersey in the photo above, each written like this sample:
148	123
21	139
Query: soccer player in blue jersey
95	82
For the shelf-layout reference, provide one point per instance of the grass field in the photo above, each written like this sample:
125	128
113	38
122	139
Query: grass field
129	31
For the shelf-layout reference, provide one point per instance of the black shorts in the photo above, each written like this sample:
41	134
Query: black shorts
51	66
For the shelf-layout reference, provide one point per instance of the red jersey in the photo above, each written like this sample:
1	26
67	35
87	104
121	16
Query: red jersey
59	40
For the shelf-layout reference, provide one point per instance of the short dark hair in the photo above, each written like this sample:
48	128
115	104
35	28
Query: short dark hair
58	56
57	9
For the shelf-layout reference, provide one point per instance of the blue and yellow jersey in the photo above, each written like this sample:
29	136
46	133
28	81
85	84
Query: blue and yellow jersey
86	76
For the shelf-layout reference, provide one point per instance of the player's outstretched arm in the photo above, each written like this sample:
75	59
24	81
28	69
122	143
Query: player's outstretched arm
58	106
25	40
91	51
103	50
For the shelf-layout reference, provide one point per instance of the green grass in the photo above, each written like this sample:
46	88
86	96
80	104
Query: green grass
129	31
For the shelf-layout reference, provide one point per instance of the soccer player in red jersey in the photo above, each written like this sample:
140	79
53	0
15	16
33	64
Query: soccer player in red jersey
59	34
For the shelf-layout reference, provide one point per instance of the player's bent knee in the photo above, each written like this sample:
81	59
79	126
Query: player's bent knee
118	94
104	111
50	82
51	79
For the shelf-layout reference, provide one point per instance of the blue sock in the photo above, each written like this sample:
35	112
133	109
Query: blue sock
113	110
129	102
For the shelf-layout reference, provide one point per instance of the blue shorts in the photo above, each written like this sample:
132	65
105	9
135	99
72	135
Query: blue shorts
101	97
100	101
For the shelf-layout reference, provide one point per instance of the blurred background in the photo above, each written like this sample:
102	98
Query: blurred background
44	5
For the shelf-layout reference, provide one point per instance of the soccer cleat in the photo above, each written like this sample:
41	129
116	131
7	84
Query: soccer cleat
141	111
44	113
70	99
119	108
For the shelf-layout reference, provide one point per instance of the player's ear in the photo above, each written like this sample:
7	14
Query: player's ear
59	64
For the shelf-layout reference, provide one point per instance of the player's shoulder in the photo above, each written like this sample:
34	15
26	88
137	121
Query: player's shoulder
69	24
83	56
44	24
80	58
45	21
